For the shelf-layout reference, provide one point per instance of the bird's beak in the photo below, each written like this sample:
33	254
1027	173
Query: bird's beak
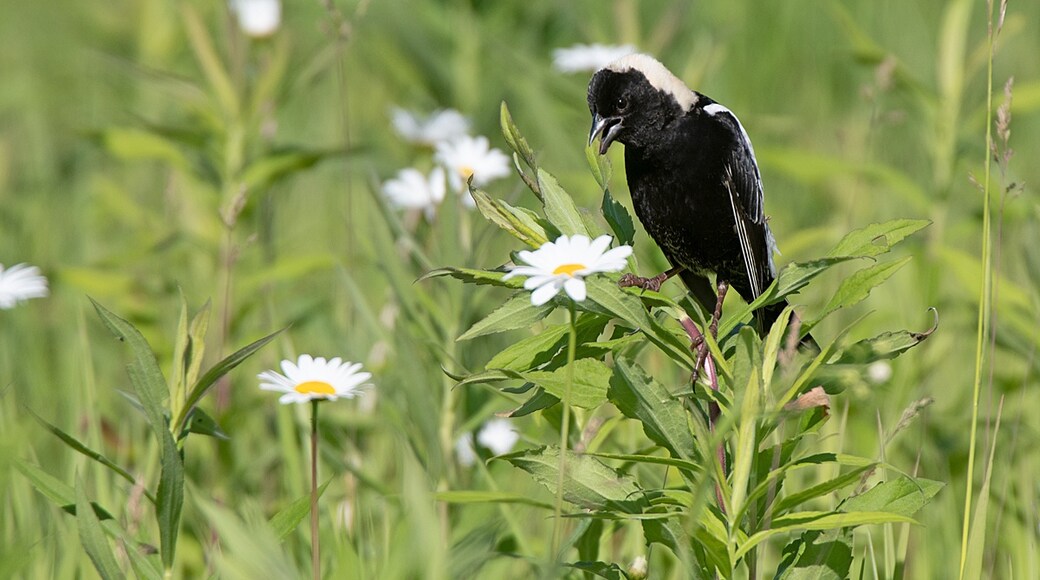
606	128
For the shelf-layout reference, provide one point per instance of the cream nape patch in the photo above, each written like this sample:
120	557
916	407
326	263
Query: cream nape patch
658	76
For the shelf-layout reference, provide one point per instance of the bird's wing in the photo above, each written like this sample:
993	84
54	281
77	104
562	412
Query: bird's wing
744	184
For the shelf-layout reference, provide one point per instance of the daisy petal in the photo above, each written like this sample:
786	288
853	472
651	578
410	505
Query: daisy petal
575	288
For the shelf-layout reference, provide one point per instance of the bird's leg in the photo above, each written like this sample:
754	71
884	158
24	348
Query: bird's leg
698	343
713	327
648	283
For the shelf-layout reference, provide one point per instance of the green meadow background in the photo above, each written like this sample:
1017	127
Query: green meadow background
132	132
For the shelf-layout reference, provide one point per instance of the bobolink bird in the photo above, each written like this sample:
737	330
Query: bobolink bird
694	181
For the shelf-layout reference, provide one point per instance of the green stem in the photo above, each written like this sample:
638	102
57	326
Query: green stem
572	345
315	541
985	299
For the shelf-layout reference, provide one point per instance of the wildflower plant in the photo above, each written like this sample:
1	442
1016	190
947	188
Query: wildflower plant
772	397
313	380
171	408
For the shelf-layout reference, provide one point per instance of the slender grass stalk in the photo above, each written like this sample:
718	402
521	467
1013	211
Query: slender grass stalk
572	345
985	296
315	539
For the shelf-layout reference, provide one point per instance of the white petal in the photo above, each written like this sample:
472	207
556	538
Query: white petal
544	294
600	245
575	288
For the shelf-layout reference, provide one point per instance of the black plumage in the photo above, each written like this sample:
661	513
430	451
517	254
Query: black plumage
693	177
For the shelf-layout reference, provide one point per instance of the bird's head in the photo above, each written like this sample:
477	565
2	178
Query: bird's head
633	98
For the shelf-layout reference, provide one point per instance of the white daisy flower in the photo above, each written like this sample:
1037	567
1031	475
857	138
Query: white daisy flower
879	372
315	378
471	156
588	57
440	125
257	18
565	263
498	435
20	283
464	450
413	190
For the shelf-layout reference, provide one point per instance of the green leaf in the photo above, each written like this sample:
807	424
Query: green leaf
559	207
821	489
589	539
791	279
517	312
197	344
538	401
638	396
513	137
887	345
602	569
472	276
200	422
669	533
817	555
587	482
857	287
218	370
274	167
599	165
79	447
876	239
286	520
820	521
481	496
537	350
687	465
53	488
519	222
589	388
902	496
92	536
202	45
604	297
180	351
618	218
132	144
169	499
145	374
745	450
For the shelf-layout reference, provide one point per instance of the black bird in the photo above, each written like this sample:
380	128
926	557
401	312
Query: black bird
694	181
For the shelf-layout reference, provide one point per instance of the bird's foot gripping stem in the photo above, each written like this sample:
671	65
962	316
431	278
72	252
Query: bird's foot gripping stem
654	283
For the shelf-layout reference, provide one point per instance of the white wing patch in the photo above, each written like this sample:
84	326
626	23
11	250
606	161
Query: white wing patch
658	76
715	108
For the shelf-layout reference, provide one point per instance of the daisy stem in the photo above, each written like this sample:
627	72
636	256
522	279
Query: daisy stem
572	345
315	548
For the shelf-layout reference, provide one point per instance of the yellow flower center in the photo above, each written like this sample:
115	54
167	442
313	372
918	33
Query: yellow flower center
466	171
568	269
320	388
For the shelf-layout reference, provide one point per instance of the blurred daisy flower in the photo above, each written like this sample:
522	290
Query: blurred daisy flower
19	283
879	372
497	435
565	263
257	18
312	378
471	157
413	190
439	126
464	450
588	57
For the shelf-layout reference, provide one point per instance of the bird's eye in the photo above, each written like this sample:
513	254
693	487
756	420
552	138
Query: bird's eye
621	104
